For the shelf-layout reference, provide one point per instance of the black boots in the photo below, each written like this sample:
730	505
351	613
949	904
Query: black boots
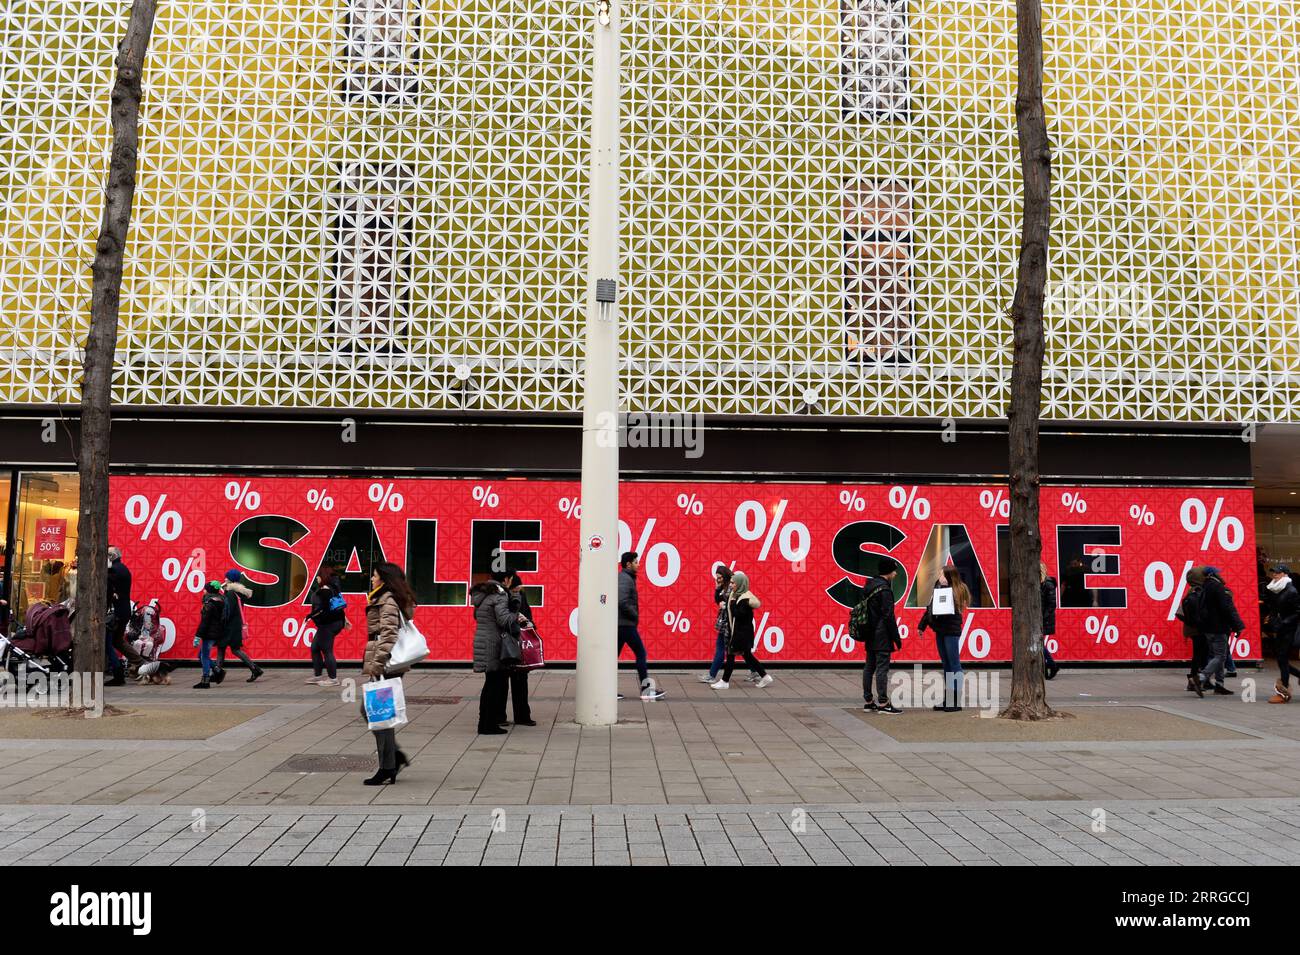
402	761
202	685
257	671
385	777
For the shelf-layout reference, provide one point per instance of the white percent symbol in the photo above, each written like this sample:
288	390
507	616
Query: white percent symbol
661	562
1196	517
771	637
189	575
319	500
838	638
691	505
571	508
908	501
484	496
1074	502
300	633
676	621
995	502
140	511
386	497
1149	645
243	496
975	640
795	540
1161	583
853	501
1102	629
1141	514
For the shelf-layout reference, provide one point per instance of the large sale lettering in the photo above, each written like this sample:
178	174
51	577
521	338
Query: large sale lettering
1120	556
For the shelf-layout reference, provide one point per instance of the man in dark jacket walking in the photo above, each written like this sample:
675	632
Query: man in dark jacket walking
119	602
873	622
1218	619
1283	621
628	617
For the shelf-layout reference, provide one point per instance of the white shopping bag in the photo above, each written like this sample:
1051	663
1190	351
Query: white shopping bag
410	648
944	605
385	703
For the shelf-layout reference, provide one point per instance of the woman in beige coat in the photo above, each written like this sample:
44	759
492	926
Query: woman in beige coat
390	598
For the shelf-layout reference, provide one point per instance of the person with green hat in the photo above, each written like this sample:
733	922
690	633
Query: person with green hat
209	630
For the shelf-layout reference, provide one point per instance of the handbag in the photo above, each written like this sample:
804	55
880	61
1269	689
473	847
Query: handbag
511	648
385	703
410	648
944	604
532	655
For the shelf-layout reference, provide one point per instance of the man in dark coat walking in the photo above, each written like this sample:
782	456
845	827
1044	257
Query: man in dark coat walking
119	603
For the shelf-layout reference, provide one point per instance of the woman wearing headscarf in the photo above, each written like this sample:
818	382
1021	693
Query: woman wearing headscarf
740	622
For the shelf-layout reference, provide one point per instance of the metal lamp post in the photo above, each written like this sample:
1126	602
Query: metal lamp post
597	664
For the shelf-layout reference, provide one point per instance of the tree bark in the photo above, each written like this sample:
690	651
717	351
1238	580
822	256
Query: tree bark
1028	689
101	342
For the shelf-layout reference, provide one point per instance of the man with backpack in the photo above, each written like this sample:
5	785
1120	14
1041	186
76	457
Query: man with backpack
873	622
1217	618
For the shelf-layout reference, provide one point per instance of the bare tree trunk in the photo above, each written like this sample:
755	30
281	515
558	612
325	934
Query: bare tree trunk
1028	690
101	342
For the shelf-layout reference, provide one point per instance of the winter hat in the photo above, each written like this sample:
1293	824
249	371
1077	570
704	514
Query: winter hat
214	586
233	574
1196	577
887	566
1280	569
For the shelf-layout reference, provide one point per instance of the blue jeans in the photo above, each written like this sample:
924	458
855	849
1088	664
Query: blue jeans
205	657
719	655
627	634
950	654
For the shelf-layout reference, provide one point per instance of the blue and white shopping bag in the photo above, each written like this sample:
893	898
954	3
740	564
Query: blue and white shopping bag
385	704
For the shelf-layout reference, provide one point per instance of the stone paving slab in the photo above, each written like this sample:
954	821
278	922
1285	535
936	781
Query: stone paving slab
1186	832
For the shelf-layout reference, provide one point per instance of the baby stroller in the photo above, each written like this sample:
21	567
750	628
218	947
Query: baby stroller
45	635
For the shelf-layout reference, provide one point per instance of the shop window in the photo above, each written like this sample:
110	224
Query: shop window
372	242
379	55
45	544
875	59
878	300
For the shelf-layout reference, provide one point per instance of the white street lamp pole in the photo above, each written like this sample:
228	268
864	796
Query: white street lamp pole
597	697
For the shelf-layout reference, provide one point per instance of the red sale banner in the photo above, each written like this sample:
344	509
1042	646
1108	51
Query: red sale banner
51	536
1120	556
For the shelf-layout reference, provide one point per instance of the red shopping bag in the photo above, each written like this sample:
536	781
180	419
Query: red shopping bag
531	656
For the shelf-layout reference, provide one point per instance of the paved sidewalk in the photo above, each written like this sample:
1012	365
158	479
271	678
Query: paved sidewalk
701	777
1234	832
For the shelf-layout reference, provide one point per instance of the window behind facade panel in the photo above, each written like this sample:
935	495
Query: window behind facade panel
372	239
